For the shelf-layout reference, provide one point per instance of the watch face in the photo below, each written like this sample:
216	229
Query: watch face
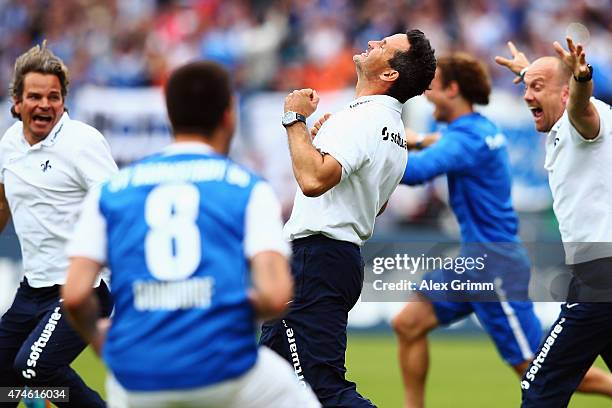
289	118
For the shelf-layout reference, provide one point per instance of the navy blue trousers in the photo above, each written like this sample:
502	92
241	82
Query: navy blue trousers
328	277
582	332
37	345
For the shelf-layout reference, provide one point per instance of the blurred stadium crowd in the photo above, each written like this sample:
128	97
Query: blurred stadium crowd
272	46
127	48
283	44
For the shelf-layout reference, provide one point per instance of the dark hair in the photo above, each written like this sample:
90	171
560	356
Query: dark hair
38	59
471	76
416	67
197	95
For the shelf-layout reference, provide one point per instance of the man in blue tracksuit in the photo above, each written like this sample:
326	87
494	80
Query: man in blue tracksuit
471	152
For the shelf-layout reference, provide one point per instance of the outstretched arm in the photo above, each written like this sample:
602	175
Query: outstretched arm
449	154
418	141
517	64
582	113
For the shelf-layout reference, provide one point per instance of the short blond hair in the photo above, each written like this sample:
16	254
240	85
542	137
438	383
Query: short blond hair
37	59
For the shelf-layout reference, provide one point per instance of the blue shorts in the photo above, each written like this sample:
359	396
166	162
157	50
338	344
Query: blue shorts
506	313
513	326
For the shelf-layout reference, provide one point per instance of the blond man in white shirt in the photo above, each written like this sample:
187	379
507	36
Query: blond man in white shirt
48	162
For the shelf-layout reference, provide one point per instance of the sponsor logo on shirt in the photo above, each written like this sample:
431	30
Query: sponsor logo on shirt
356	104
394	137
495	142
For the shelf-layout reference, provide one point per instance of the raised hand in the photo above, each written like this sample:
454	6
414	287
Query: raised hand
575	58
315	129
302	101
518	62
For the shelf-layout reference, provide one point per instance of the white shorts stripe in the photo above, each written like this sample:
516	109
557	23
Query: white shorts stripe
513	321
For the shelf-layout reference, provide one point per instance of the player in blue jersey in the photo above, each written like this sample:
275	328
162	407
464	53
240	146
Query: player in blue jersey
471	152
179	231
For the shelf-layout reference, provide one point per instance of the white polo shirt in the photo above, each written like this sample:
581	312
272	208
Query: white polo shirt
45	185
580	177
367	138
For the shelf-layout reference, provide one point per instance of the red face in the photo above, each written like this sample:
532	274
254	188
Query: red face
41	105
545	94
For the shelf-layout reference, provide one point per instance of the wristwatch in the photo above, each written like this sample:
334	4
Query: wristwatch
522	74
290	117
587	77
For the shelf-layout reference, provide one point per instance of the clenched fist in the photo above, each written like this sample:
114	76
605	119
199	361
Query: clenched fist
302	101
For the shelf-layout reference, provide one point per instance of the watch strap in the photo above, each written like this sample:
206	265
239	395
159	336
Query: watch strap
294	118
587	77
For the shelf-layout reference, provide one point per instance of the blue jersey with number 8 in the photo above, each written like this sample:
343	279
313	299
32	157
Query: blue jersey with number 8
175	228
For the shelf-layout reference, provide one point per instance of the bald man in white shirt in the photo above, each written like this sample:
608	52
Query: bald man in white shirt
48	162
558	91
345	178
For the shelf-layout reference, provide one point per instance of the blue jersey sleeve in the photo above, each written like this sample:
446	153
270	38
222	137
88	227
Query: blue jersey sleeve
454	152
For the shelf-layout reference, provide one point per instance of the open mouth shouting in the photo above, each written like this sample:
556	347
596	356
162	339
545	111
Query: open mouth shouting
42	119
537	112
366	52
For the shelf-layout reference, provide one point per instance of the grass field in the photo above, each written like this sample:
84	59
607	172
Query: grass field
465	372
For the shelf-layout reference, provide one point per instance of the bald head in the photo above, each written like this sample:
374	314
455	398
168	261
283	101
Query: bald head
547	91
552	68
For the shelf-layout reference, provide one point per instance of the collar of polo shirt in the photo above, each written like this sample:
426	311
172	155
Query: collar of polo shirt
386	100
51	137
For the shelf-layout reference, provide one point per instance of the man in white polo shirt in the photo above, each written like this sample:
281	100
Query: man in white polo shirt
48	162
578	159
345	178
